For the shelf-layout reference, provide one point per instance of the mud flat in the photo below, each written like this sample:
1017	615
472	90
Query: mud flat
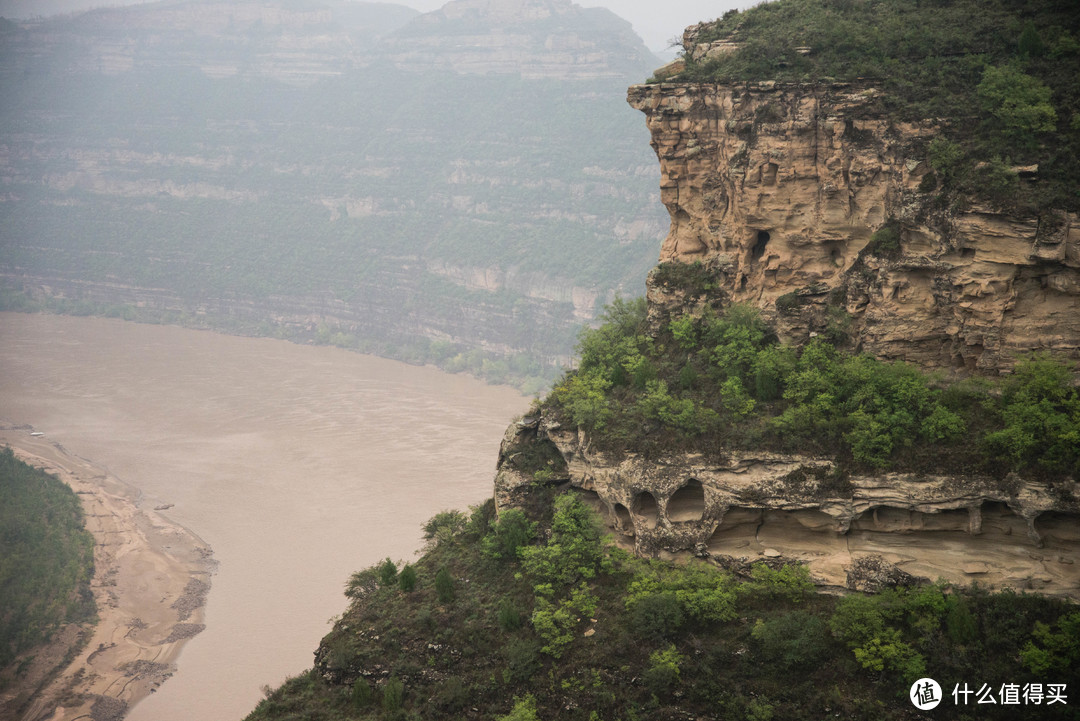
150	582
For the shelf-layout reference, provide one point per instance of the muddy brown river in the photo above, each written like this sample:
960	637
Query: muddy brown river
298	465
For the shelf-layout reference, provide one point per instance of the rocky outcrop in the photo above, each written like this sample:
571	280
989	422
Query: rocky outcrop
812	204
857	532
778	190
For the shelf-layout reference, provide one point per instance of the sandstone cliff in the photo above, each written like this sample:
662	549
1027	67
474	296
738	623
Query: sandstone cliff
778	189
856	532
776	192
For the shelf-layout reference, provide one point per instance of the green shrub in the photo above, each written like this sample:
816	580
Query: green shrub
524	710
393	695
407	578
362	694
511	532
444	585
508	615
794	641
444	525
657	615
522	661
1019	101
663	673
1051	653
387	573
791	582
788	303
885	242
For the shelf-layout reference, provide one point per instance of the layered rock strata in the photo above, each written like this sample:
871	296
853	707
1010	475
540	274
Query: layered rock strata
858	532
778	189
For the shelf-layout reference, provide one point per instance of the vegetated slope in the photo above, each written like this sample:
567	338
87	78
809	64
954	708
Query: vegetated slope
999	75
536	616
46	561
720	381
282	170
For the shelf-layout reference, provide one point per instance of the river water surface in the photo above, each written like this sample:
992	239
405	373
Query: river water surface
297	464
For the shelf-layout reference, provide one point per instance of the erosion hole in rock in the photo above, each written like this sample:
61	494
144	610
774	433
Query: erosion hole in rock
646	507
759	245
593	500
1059	529
999	519
957	521
687	503
737	531
625	522
887	519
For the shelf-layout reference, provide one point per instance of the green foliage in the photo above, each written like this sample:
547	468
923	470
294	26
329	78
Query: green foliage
46	557
1019	101
393	694
443	526
576	550
1031	43
999	74
444	585
660	597
788	303
663	672
509	615
387	573
885	242
522	661
682	413
524	710
874	408
362	694
1040	410
738	386
407	578
794	641
886	652
948	159
1054	653
883	631
791	582
511	532
362	583
960	623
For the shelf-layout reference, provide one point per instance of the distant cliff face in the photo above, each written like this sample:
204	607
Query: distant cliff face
531	38
779	189
463	187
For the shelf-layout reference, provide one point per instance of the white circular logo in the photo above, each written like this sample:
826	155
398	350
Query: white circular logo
925	694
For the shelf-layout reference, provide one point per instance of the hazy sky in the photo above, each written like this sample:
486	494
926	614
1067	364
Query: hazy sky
656	21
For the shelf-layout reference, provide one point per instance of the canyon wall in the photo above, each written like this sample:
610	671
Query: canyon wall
777	194
858	532
778	190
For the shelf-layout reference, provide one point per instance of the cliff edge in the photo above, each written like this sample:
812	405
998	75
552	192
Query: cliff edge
812	204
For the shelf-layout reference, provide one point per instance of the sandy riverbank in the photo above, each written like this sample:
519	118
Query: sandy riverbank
150	582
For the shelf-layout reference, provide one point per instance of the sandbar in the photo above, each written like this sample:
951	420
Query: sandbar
151	578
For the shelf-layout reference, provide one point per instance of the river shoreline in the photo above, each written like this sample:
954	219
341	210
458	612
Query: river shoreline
151	578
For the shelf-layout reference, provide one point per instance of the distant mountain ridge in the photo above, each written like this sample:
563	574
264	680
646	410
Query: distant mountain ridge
536	38
331	171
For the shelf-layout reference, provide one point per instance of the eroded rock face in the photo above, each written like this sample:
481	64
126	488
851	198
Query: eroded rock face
858	532
777	190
